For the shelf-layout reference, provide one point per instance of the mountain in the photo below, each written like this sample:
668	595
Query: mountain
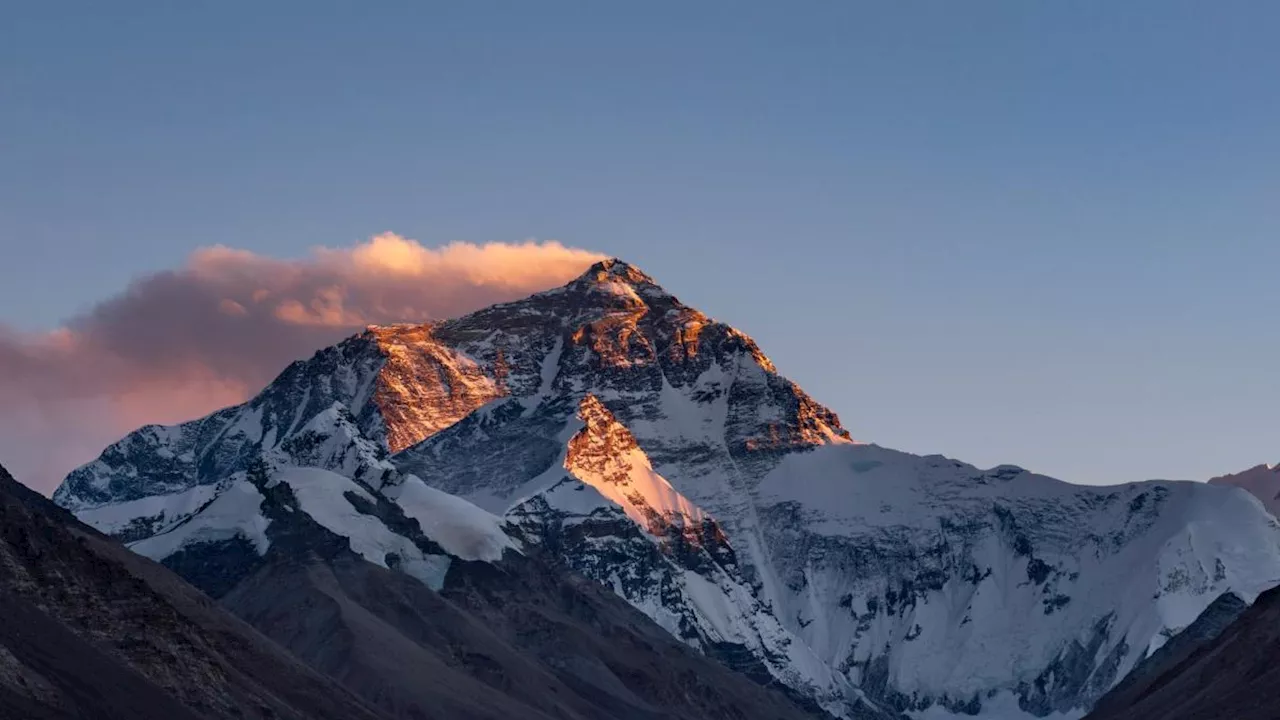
1221	673
609	430
1263	481
94	631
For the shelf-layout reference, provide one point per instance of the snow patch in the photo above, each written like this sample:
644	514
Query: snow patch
235	512
160	512
456	525
322	495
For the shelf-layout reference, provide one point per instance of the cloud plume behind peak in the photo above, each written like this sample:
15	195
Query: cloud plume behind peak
178	344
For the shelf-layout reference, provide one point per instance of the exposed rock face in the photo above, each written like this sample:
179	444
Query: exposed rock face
93	631
662	454
1263	481
425	386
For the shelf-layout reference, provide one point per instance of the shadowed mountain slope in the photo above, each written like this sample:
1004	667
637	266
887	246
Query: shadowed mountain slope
1233	674
92	630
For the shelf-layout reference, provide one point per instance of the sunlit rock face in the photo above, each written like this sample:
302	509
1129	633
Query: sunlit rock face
609	516
661	453
426	386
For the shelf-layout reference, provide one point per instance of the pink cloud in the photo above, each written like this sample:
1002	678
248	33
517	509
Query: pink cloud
181	343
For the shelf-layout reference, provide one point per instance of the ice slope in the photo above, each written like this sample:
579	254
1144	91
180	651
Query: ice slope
324	496
941	581
150	514
235	511
461	528
926	582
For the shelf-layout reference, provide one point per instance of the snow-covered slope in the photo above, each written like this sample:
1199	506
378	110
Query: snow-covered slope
345	408
609	516
661	453
462	529
932	579
322	471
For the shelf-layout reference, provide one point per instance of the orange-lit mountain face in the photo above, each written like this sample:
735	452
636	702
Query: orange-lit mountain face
612	331
425	386
658	452
612	327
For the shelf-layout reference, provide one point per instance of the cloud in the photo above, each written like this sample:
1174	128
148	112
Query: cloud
178	344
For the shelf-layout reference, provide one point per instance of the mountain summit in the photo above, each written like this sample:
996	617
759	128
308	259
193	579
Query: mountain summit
609	429
615	270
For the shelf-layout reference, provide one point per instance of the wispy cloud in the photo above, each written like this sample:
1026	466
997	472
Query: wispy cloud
177	344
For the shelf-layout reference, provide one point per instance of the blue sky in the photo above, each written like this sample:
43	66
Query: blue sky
1038	233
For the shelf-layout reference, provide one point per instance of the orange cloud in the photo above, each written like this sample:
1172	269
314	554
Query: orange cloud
181	343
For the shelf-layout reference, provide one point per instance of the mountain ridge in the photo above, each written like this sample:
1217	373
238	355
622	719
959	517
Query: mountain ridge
857	576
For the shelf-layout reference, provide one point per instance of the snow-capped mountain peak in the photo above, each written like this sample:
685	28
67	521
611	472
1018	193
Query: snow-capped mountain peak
662	454
613	271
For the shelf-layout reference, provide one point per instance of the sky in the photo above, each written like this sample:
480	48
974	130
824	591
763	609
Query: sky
1044	234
